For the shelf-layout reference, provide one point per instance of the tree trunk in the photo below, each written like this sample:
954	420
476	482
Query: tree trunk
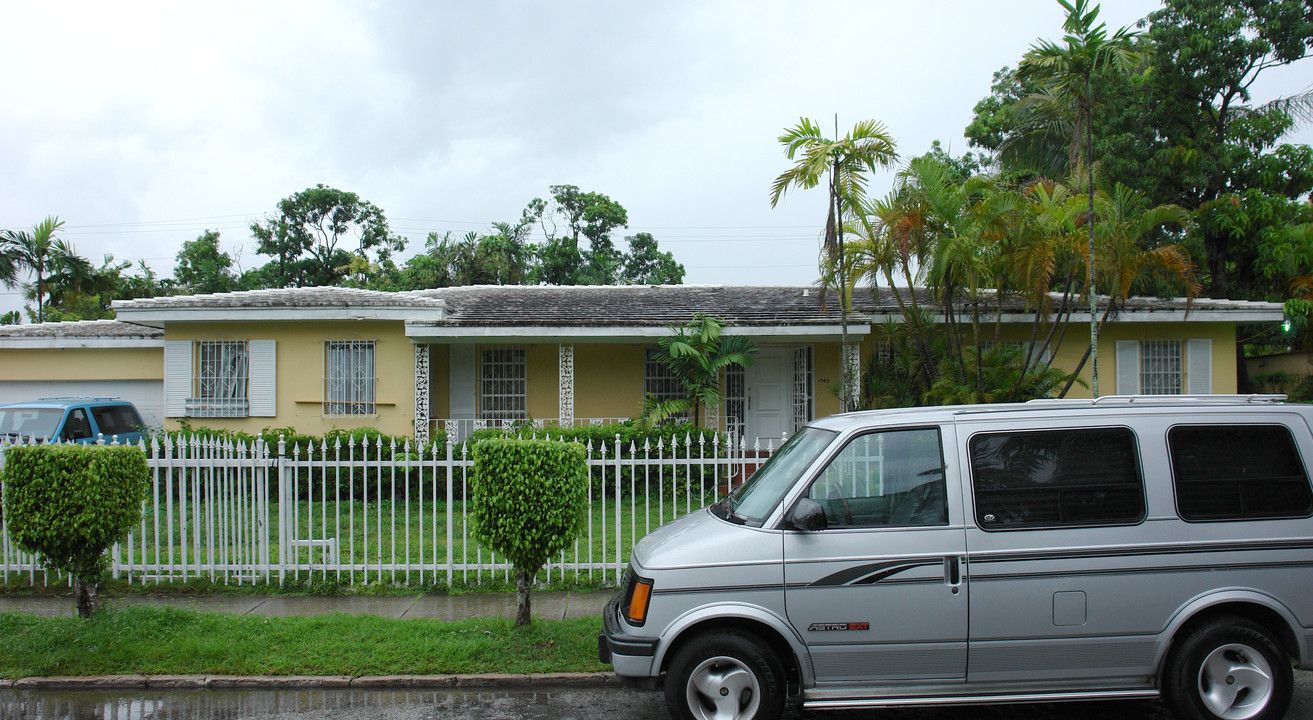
88	597
523	584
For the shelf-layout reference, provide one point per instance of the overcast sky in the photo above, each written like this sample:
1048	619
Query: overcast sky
143	124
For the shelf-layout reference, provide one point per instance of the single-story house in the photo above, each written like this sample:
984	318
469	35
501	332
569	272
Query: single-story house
408	363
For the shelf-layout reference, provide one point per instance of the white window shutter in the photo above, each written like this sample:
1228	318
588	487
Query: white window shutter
463	381
262	393
1128	367
177	377
1199	367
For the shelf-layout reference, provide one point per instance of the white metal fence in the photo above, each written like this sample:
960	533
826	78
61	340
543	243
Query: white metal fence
269	512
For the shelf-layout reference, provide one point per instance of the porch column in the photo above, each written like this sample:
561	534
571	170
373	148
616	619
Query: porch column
852	376
566	415
421	394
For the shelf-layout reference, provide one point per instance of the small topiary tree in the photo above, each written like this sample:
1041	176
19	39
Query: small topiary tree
70	503
529	502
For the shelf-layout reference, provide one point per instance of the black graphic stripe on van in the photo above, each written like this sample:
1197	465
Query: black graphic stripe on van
1141	550
871	573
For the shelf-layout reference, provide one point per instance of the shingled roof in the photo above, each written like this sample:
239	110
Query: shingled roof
634	306
83	333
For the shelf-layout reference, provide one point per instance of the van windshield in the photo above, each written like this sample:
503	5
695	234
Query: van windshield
30	422
756	498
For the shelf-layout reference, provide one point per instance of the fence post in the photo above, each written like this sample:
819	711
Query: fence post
280	468
619	506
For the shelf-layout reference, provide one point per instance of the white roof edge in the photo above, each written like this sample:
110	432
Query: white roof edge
157	316
52	343
538	332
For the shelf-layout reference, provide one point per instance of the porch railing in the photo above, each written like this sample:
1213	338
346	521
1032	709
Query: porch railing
270	512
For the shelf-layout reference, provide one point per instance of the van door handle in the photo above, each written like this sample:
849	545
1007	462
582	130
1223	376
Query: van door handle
953	571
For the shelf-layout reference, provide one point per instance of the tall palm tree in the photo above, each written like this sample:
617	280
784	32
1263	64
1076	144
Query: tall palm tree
844	163
33	252
1066	69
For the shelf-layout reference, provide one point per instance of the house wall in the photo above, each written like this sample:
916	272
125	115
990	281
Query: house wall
608	380
825	363
299	383
27	364
1077	339
543	372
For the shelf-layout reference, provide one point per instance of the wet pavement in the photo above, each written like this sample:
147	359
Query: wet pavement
537	704
546	605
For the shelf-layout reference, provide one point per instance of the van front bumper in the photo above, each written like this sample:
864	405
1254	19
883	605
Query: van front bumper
630	655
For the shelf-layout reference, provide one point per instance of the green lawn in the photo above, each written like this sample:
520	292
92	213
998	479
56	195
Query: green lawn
167	641
381	538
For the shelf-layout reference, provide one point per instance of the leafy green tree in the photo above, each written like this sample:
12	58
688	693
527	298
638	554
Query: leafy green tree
697	353
1067	73
530	497
202	267
646	264
570	216
35	252
71	503
844	164
309	238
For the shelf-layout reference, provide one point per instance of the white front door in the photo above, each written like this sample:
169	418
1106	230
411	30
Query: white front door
768	383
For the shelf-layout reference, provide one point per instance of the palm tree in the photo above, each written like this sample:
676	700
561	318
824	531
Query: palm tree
1067	70
844	164
696	353
31	251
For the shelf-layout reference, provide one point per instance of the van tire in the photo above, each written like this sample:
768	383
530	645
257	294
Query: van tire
725	676
1229	668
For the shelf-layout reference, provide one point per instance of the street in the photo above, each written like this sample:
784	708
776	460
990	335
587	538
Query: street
528	704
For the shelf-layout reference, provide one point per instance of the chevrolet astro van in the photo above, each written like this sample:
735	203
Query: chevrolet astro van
1125	547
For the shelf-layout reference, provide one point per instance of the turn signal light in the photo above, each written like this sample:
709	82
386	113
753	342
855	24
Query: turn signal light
636	613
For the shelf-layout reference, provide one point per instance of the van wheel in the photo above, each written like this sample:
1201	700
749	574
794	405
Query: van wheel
725	676
1228	669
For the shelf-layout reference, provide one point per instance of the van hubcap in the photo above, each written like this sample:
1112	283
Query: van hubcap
1235	682
723	688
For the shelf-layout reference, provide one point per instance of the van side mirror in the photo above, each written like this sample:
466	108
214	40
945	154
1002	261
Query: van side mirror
808	515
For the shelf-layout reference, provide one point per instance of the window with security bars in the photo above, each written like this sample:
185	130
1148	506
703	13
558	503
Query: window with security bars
736	402
219	379
1161	372
349	379
659	382
503	384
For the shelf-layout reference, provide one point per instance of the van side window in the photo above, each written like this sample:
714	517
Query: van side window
77	426
1056	478
116	420
893	478
1238	472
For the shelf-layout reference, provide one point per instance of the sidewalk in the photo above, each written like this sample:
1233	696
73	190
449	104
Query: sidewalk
546	605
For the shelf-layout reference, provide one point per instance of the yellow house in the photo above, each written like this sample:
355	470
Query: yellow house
455	359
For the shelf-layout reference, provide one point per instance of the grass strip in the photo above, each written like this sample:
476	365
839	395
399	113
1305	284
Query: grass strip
171	641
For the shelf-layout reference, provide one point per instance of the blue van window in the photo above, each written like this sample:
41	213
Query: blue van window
116	420
77	426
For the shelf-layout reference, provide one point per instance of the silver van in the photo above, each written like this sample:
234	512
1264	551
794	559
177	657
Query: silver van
1125	547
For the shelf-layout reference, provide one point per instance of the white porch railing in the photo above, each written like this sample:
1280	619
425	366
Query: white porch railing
368	513
460	429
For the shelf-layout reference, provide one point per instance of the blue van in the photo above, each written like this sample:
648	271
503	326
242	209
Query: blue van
80	420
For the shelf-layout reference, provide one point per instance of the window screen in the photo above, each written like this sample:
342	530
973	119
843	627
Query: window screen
1056	478
1238	472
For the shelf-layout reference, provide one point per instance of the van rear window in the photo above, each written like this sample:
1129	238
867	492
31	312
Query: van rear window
1238	472
1056	478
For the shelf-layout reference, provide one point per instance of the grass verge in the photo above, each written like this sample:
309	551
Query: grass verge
170	641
